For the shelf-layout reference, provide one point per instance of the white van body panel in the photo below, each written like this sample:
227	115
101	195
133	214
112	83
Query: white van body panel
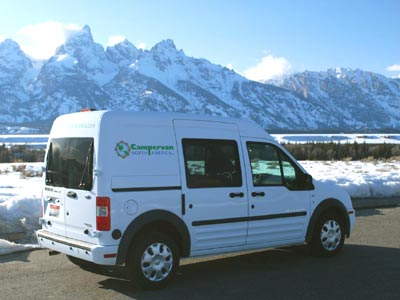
139	163
328	190
277	202
214	203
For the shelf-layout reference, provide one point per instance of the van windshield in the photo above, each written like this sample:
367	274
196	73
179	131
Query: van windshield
69	163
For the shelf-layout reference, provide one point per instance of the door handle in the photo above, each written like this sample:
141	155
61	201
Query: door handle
233	195
257	194
71	194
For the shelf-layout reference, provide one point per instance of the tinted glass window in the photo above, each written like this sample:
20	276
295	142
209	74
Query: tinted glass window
211	163
289	171
70	163
265	164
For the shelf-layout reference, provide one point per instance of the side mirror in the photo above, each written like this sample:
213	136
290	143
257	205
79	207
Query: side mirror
305	182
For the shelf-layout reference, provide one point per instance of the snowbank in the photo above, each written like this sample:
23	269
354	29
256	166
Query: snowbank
19	202
7	247
374	179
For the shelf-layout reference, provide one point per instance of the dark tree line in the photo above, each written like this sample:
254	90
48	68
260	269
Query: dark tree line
334	151
20	153
308	151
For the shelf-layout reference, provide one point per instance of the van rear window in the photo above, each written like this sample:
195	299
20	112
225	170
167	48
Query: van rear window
69	163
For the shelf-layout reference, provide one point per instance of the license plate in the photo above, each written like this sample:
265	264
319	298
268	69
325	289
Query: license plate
54	210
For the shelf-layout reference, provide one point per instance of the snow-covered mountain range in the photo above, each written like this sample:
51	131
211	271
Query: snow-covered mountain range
121	77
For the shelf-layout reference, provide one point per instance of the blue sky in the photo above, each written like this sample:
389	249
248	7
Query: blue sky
258	38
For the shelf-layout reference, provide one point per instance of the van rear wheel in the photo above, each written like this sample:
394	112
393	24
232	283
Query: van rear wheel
153	260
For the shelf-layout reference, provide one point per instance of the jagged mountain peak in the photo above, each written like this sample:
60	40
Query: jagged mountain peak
77	39
9	44
123	53
83	36
163	61
343	75
341	72
126	44
166	48
167	44
81	55
10	50
13	61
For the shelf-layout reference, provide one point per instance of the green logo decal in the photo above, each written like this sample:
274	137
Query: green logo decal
123	150
152	150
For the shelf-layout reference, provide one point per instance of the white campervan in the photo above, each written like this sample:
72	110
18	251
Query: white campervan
145	189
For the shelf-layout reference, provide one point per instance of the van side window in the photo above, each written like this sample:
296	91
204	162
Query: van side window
211	163
270	166
289	171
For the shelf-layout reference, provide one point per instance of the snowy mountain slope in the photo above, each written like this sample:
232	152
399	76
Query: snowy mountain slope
362	99
84	74
16	73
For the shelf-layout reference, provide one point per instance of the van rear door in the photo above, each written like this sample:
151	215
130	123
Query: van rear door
69	176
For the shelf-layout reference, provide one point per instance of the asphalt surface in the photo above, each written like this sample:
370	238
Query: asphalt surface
368	268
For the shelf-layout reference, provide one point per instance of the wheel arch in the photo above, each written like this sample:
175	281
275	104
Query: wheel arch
328	205
156	220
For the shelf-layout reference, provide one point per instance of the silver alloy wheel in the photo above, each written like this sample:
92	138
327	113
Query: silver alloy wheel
157	261
331	235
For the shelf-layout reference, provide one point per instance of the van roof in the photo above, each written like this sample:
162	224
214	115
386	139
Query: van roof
246	127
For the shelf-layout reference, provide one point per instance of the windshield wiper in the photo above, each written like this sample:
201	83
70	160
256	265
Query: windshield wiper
86	169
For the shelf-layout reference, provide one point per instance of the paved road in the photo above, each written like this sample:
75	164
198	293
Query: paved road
368	268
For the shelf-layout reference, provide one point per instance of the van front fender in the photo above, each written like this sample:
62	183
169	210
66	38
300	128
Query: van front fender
328	205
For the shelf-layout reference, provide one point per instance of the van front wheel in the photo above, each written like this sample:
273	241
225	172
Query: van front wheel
153	260
328	236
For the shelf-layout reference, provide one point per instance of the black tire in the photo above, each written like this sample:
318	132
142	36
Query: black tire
328	235
152	260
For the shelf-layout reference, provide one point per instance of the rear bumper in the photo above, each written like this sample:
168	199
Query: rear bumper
102	255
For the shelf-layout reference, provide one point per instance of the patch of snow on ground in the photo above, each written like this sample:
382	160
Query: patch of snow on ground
7	247
19	205
360	179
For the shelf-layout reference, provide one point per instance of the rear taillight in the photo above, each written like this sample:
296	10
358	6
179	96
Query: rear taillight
87	109
103	219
